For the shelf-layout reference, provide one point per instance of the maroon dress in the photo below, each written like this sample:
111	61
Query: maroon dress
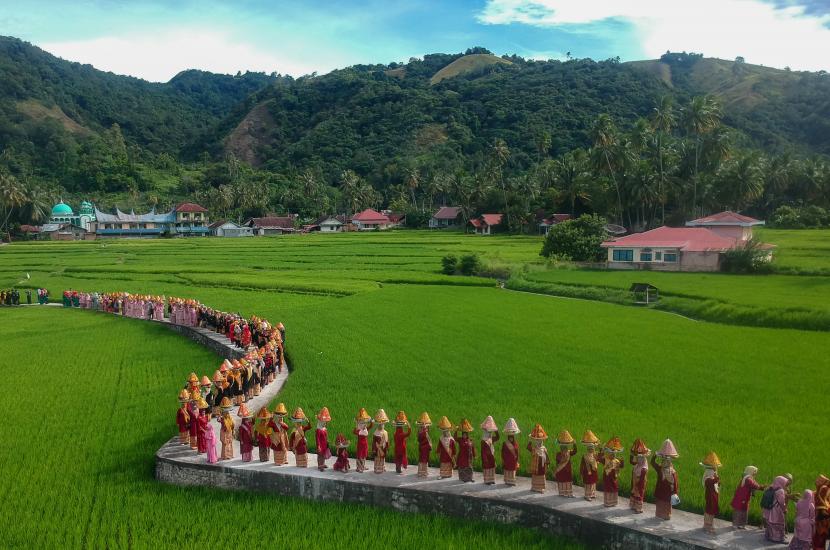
712	507
424	446
246	440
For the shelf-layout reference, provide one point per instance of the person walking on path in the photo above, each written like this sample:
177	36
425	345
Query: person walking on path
363	423
321	436
246	433
588	467
638	458
424	444
279	435
263	433
805	523
711	486
489	436
380	441
298	443
775	516
446	448
666	487
563	472
401	435
466	452
743	495
510	452
611	466
822	512
539	459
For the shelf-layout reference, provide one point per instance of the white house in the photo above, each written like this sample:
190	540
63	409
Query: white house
230	229
446	216
330	225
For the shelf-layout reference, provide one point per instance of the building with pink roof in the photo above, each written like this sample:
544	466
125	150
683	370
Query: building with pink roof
696	247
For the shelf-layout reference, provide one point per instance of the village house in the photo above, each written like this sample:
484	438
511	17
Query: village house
370	220
553	219
271	225
485	224
65	232
330	224
446	216
696	247
226	228
185	220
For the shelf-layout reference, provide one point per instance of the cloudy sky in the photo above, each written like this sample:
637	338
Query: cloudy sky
155	39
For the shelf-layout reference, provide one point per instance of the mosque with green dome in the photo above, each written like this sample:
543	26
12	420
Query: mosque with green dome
63	213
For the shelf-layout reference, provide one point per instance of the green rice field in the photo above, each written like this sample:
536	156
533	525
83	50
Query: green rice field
372	323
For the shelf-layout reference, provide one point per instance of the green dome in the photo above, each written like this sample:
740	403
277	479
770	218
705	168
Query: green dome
61	209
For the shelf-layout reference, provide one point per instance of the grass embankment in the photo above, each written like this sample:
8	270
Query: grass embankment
90	402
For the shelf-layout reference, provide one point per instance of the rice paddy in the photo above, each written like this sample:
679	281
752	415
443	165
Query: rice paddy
372	323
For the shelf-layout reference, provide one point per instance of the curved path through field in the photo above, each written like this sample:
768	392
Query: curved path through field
587	522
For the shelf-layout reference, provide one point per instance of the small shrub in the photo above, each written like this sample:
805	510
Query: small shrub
470	264
578	240
748	258
449	264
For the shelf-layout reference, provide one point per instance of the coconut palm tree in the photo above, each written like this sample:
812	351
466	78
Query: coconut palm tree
350	185
499	154
700	117
413	182
662	122
743	180
606	142
571	178
37	206
12	196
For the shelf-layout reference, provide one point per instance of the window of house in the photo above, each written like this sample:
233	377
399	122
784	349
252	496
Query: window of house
670	257
645	256
623	255
658	256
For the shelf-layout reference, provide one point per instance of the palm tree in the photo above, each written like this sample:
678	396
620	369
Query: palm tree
349	185
662	122
413	182
499	153
571	178
543	143
701	117
606	141
11	196
37	204
745	180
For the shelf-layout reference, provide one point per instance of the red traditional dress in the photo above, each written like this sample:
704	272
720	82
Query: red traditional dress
401	436
299	446
246	440
362	452
539	462
666	486
194	427
342	462
563	474
821	500
183	421
488	458
466	454
589	472
639	478
226	437
510	459
711	510
246	335
380	446
446	455
611	467
743	494
424	448
201	423
279	440
323	451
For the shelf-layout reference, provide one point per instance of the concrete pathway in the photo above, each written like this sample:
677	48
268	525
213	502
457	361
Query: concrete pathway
589	522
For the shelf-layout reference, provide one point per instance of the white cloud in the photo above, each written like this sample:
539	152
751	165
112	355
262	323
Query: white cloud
161	55
755	29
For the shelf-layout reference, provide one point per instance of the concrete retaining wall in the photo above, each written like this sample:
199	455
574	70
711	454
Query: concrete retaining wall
206	339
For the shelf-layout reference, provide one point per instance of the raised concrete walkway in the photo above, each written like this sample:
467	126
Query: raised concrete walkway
588	522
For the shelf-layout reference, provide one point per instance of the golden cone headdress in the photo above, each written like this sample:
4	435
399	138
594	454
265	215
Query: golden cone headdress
217	377
298	415
489	424
444	423
668	450
192	378
226	404
205	381
362	416
711	460
324	415
614	445
564	438
538	432
201	403
243	412
184	396
511	428
263	413
588	438
639	447
424	420
380	417
401	419
280	409
465	426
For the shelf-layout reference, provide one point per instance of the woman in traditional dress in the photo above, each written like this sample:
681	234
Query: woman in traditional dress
380	441
711	487
775	517
342	446
563	471
666	486
210	441
466	452
611	466
446	448
363	423
424	444
588	467
743	494
246	433
321	436
489	436
279	435
510	452
638	457
821	501
400	437
226	432
202	423
183	418
805	523
194	424
539	459
263	433
297	442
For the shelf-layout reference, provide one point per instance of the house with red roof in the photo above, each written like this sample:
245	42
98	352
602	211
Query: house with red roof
191	219
486	223
370	220
696	247
271	225
550	221
446	216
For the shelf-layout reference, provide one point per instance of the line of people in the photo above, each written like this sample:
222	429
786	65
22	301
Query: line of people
11	296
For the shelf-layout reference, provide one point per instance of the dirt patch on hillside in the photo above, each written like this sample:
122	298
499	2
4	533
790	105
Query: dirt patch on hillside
467	64
38	111
246	140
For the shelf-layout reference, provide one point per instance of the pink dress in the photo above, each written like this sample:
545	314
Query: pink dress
210	441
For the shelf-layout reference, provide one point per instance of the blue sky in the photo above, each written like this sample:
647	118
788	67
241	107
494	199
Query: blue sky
155	39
